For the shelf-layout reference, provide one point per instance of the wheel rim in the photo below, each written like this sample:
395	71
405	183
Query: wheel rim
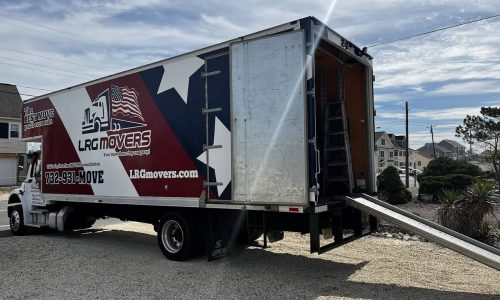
15	221
172	236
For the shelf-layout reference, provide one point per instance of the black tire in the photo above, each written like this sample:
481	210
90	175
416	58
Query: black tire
79	221
97	125
16	221
177	237
249	236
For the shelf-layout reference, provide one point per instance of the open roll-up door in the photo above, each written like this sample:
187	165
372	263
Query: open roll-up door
268	120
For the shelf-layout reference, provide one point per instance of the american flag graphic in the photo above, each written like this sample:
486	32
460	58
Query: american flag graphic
124	102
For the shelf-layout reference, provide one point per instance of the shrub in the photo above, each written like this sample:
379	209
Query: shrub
435	184
486	234
452	214
464	212
443	166
391	188
479	200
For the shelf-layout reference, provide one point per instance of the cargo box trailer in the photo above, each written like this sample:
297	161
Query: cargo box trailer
258	135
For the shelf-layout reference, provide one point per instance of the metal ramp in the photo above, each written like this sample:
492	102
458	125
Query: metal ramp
451	239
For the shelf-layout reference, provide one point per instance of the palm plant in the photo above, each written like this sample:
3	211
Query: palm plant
451	214
479	202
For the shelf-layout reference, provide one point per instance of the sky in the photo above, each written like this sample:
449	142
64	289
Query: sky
48	45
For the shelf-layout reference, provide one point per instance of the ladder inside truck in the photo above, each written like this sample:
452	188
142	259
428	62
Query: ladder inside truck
336	159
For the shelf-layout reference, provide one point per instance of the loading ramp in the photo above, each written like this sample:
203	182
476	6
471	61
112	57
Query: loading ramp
453	240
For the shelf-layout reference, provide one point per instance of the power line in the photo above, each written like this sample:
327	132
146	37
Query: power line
32	88
43	71
54	59
18	94
432	31
68	34
26	27
45	66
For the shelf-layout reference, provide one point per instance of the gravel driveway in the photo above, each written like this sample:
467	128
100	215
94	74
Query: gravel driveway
123	261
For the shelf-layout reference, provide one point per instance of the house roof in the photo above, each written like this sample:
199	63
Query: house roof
378	134
399	141
424	154
452	143
10	101
428	147
441	148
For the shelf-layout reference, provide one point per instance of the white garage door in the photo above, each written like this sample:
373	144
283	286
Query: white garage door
8	171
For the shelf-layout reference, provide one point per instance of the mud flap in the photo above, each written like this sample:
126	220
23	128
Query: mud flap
217	236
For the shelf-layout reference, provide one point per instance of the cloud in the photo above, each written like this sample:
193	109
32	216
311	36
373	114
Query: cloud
469	88
386	98
432	71
468	53
456	113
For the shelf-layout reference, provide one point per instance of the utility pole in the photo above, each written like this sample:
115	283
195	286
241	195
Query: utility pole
407	148
470	144
433	147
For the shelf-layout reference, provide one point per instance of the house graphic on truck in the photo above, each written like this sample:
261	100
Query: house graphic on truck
114	109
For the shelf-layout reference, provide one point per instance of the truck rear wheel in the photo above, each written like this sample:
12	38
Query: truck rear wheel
75	222
16	221
176	237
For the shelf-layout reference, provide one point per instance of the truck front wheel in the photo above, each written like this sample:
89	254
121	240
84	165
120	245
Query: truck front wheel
16	221
176	236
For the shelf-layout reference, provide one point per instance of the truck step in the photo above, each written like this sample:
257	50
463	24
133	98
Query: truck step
210	73
337	179
337	163
39	212
335	133
335	148
211	110
205	147
36	225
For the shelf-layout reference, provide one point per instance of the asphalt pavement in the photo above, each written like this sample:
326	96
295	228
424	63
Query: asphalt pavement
4	220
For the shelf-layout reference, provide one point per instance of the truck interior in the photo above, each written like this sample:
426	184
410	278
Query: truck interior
341	113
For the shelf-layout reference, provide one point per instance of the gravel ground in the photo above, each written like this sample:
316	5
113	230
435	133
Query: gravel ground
123	261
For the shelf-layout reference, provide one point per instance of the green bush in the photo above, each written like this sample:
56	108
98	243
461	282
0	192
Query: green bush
443	166
391	188
435	184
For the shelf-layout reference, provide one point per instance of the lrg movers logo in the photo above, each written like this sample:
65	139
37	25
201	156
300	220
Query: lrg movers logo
114	110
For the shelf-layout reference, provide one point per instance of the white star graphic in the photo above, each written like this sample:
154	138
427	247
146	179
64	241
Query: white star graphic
220	158
177	73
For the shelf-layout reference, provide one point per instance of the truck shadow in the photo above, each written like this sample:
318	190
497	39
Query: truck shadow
5	233
253	272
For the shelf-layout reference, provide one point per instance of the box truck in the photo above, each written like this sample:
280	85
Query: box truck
261	134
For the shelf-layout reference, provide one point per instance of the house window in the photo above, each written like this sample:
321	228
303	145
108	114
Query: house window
14	131
401	164
395	152
382	153
400	153
419	163
22	158
391	154
382	141
4	130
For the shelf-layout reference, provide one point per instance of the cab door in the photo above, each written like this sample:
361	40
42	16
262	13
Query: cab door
33	182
